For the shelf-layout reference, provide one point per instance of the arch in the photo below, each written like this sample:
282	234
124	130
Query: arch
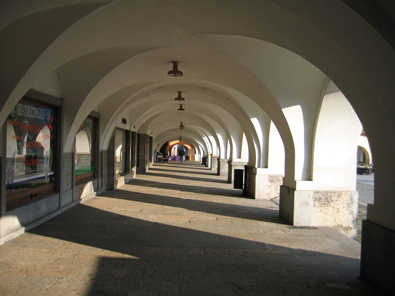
366	155
222	102
358	50
334	164
181	142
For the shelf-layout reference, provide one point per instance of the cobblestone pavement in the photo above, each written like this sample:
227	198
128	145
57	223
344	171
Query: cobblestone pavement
179	230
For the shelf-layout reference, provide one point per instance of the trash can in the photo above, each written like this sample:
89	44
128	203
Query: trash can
238	178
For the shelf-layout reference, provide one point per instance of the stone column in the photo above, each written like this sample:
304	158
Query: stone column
214	162
67	195
377	255
109	172
223	167
150	152
263	185
332	208
143	153
133	158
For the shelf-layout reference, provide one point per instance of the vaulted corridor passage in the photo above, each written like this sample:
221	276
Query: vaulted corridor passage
179	230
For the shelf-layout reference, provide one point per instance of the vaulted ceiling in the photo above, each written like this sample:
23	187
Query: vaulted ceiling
242	60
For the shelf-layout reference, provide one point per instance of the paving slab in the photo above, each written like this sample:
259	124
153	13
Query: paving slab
179	230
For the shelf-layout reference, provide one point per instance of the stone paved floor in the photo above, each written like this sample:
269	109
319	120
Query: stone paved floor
179	230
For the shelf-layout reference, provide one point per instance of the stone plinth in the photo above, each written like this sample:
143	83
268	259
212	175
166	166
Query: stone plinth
336	209
223	167
214	162
263	185
377	255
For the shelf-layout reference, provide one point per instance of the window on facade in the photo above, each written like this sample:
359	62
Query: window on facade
120	152
85	151
30	153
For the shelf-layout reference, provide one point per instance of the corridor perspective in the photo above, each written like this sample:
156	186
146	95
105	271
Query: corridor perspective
99	100
179	229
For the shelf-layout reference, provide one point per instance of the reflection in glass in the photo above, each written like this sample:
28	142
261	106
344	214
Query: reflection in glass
120	152
84	148
30	148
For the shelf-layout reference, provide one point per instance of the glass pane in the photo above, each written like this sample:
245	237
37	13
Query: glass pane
30	147
120	152
84	145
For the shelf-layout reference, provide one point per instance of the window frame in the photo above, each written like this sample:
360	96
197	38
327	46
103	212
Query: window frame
126	159
84	178
30	195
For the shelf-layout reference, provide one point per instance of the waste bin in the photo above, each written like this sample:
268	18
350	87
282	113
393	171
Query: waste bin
238	178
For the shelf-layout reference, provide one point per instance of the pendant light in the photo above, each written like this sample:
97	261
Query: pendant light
175	72
179	98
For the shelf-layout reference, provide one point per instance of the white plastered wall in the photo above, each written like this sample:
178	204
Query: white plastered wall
336	142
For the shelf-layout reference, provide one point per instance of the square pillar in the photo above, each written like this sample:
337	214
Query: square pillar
108	168
263	185
133	158
336	209
143	153
378	256
214	162
223	167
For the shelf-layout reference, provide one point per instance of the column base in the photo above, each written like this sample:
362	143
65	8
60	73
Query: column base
336	209
378	256
223	167
262	185
214	162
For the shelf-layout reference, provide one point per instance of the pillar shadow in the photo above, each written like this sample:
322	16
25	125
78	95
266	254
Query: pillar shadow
179	176
195	166
189	188
168	260
209	207
191	171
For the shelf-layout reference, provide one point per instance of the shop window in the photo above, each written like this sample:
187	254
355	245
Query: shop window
85	151
120	152
30	153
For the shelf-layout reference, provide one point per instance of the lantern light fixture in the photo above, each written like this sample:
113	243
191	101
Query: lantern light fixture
179	98
175	72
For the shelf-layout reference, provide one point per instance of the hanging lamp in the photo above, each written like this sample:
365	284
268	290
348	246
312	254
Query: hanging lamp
181	109
181	126
179	98
175	72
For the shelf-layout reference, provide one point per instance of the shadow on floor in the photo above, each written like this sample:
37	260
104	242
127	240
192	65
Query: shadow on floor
189	188
190	171
208	207
161	259
188	164
179	176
